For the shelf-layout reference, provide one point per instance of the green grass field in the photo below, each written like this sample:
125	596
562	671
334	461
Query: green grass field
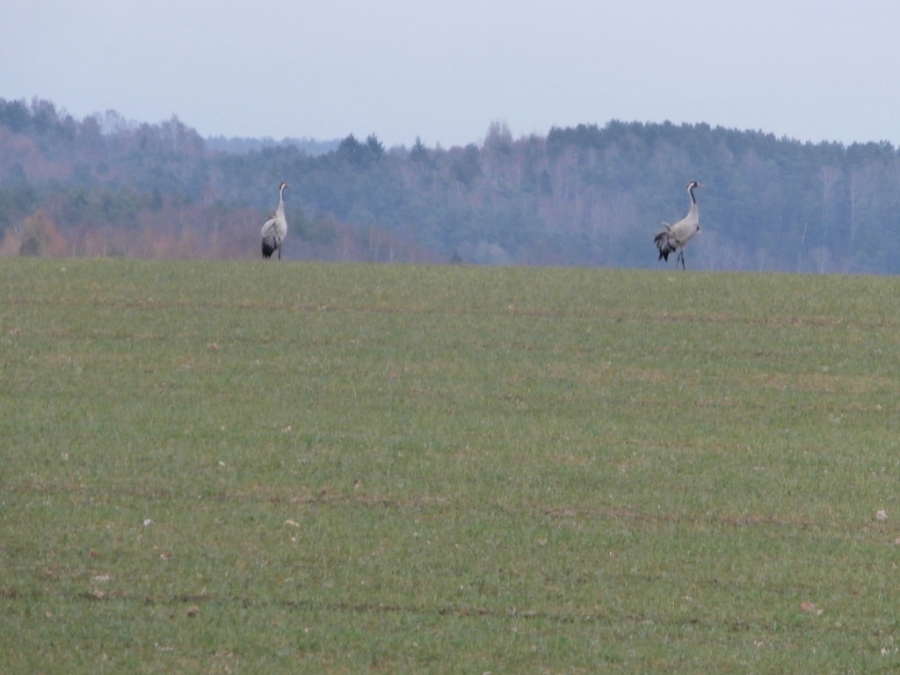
280	468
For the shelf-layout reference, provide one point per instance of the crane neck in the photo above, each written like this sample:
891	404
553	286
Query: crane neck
694	213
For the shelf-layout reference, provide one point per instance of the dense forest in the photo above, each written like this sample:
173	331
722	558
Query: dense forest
589	195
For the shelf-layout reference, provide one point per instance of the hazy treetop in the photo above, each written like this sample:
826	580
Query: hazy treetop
403	69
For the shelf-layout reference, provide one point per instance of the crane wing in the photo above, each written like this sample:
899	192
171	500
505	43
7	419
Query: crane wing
269	227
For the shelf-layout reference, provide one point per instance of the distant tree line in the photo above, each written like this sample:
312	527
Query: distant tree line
586	195
310	146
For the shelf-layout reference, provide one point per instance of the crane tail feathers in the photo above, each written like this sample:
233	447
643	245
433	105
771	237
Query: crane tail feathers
269	246
664	244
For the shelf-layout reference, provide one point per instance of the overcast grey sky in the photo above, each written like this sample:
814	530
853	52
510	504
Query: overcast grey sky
808	69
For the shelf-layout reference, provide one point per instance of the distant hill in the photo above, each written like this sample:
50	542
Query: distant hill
310	146
587	195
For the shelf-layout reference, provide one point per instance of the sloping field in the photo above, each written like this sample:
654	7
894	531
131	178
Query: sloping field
248	467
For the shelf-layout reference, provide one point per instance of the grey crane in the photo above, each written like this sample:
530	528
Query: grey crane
676	237
275	229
